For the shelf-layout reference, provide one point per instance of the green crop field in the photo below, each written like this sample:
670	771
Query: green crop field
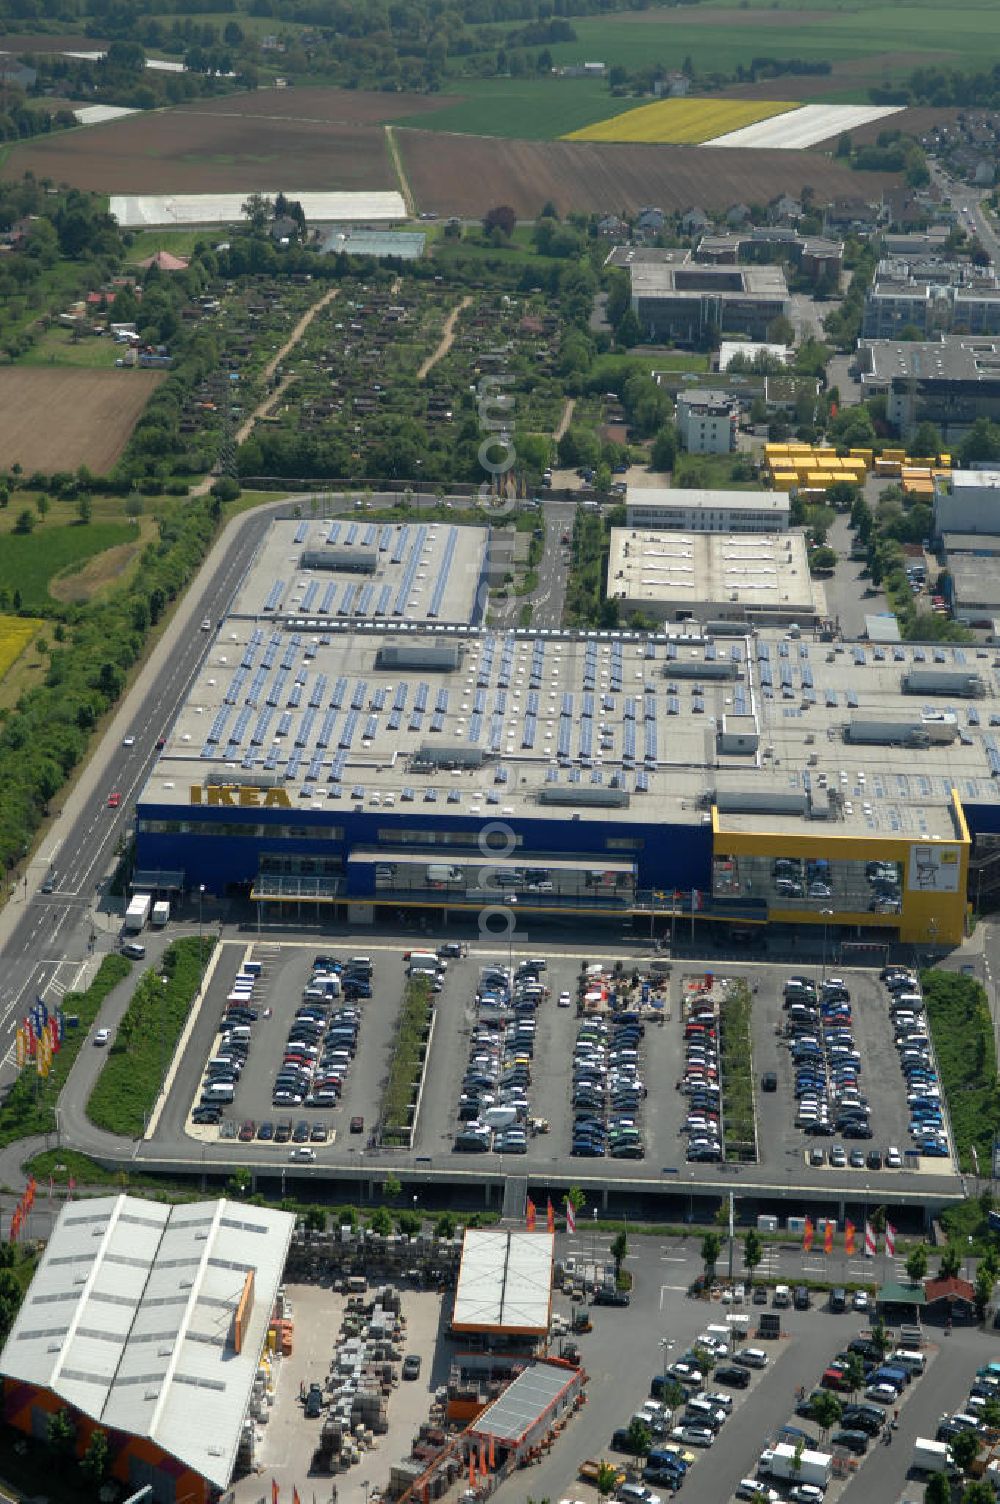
962	35
29	561
532	109
57	347
177	242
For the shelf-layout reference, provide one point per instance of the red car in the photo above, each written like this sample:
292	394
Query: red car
247	1131
114	800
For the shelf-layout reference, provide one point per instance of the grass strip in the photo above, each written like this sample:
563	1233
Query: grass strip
736	1070
127	1088
31	1101
959	1016
406	1067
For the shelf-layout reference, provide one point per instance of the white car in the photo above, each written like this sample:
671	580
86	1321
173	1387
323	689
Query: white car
565	1001
752	1488
206	625
303	1152
806	1493
693	1436
128	741
893	1159
102	1037
860	1300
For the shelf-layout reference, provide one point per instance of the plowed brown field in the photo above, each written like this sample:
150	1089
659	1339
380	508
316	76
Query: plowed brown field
465	175
61	419
210	151
348	106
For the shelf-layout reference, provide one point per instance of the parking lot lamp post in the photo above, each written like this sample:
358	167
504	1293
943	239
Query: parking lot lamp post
827	916
666	1343
201	895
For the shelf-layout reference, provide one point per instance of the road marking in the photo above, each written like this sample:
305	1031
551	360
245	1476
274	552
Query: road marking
665	1288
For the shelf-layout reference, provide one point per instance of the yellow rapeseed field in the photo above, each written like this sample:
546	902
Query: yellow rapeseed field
15	634
680	122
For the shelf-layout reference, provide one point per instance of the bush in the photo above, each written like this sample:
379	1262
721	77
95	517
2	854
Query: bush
736	1070
127	1088
407	1063
959	1017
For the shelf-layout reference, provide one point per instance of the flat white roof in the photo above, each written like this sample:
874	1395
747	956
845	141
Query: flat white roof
505	1282
524	1402
135	210
700	500
130	1313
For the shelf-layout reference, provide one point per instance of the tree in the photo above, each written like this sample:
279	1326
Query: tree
781	331
25	521
938	1490
854	1373
827	1410
965	1448
982	442
985	1280
619	1251
501	217
226	488
409	1222
753	1251
256	210
240	1180
96	1459
606	1480
380	1221
822	560
916	1264
951	1262
577	1198
711	1245
926	440
60	1434
628	331
663	454
84	508
392	1187
978	1492
640	1437
315	1218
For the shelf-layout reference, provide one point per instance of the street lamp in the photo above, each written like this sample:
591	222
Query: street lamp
827	916
201	895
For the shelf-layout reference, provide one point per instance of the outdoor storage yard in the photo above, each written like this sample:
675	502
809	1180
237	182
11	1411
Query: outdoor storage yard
97	411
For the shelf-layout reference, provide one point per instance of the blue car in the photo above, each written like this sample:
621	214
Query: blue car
587	1149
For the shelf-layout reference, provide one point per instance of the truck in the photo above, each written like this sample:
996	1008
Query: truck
160	914
784	1461
932	1456
439	875
137	913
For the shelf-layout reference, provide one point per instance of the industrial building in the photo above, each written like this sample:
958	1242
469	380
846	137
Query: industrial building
949	381
942	297
149	1322
344	768
730	577
518	1423
687	303
707	422
813	256
707	511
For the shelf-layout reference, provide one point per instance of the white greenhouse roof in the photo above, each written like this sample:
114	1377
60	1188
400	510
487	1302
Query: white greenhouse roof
523	1403
505	1281
136	210
129	1319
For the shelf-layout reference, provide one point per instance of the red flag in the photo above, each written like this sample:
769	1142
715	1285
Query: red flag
808	1233
295	1495
570	1216
550	1217
274	1491
493	1461
472	1469
531	1215
15	1223
890	1240
828	1237
871	1243
29	1194
849	1231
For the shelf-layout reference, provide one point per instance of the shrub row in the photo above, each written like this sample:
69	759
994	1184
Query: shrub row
736	1074
407	1064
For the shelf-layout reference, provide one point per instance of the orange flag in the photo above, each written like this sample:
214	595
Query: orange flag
274	1491
550	1217
472	1469
531	1215
295	1495
493	1461
849	1231
828	1237
808	1233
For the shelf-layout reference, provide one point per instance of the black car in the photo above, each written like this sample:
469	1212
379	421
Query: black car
732	1378
666	1477
860	1420
608	1296
769	1081
874	1159
852	1440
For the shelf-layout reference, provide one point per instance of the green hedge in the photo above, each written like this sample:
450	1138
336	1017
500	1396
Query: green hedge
736	1071
405	1071
30	1104
126	1090
962	1030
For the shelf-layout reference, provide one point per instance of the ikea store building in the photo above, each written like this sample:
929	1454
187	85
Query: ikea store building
357	740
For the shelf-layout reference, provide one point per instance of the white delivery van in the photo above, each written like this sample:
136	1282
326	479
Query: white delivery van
441	876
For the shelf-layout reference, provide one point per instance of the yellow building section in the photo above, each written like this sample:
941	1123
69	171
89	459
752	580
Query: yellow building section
933	876
683	122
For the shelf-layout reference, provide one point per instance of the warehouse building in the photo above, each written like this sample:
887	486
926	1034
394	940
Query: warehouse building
726	577
974	589
519	1423
354	770
949	382
148	1322
967	501
504	1293
707	511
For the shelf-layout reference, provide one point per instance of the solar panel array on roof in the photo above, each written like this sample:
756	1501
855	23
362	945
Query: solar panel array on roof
371	729
339	691
311	591
284	724
326	730
358	698
410	573
348	730
402	539
274	596
276	693
384	597
260	730
334	534
305	729
437	597
256	688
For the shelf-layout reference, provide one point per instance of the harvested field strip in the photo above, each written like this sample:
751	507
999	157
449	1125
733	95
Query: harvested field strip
681	122
97	412
808	126
15	634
